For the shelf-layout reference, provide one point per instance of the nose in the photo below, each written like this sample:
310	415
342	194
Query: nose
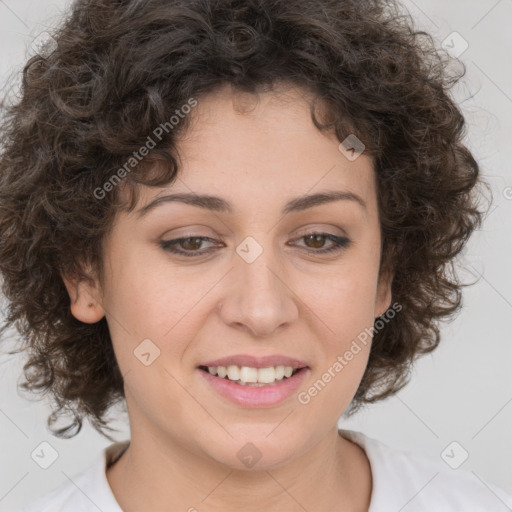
260	297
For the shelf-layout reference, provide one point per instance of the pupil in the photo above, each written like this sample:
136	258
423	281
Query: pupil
315	239
186	242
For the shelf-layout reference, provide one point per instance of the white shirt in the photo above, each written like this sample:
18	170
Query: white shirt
402	481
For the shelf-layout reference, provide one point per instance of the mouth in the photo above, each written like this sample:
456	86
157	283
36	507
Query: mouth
252	387
252	376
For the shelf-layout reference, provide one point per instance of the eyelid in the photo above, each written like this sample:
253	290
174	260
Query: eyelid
320	229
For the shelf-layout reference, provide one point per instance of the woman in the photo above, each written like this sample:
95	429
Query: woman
237	217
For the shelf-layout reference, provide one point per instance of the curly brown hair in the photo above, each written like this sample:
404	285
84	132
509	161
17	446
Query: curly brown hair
123	67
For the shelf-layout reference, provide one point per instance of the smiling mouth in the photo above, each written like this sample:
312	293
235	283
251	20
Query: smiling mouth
252	377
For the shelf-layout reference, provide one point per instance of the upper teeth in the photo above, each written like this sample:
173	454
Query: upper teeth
248	374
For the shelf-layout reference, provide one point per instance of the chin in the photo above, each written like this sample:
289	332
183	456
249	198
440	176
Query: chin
256	450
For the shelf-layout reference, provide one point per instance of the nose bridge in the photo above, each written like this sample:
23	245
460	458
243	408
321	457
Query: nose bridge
257	268
258	271
259	297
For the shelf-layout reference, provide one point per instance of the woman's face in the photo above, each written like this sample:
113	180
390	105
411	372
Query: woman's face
250	282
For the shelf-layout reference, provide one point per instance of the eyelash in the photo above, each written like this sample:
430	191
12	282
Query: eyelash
340	243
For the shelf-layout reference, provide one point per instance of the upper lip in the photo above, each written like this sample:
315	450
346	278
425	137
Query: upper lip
257	362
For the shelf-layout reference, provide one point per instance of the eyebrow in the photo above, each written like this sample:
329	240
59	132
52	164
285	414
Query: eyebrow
217	204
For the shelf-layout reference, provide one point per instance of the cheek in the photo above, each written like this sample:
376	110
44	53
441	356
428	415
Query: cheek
346	347
141	294
151	302
345	298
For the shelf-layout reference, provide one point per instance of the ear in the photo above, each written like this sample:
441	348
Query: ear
85	298
383	297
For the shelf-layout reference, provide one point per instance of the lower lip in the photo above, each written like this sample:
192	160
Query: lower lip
252	396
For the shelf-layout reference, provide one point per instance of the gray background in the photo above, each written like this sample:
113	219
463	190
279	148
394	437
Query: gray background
462	392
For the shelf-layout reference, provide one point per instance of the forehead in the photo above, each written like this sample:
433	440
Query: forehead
262	147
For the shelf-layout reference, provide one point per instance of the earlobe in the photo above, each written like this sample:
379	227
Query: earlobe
84	300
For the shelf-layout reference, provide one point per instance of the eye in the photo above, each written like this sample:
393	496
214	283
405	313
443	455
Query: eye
188	246
188	243
318	239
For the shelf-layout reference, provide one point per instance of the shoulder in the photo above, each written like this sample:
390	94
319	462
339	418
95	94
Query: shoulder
415	482
65	497
87	491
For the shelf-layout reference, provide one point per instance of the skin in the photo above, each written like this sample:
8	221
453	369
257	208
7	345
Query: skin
256	154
